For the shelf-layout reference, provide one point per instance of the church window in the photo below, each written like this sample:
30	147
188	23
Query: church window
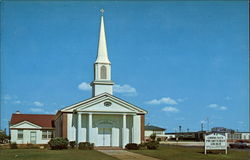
107	104
103	72
20	134
46	134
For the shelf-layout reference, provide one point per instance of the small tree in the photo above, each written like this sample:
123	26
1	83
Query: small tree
152	137
3	137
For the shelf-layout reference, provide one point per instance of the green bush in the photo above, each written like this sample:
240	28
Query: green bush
72	144
13	145
85	146
132	146
58	143
158	139
142	146
152	145
153	136
3	137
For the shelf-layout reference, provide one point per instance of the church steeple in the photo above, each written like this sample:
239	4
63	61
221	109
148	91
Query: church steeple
102	66
102	55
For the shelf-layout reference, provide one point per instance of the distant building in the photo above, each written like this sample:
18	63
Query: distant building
231	134
238	136
150	129
222	130
194	136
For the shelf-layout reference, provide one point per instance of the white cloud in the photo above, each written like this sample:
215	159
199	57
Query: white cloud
228	98
84	86
170	109
203	121
182	99
218	107
7	97
36	110
39	104
124	88
164	100
127	89
17	102
240	122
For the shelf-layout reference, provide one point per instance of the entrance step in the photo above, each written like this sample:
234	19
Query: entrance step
107	148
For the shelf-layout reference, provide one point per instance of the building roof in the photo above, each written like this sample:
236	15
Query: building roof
104	96
42	120
154	128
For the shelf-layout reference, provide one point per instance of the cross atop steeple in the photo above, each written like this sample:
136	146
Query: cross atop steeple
102	11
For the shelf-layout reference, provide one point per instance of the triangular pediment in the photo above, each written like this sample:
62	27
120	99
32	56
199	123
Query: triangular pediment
25	124
104	103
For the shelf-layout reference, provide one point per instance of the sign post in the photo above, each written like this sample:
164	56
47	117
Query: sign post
215	141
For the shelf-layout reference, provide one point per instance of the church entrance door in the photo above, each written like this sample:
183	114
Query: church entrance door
104	136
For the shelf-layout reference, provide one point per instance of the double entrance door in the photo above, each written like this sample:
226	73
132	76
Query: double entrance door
104	136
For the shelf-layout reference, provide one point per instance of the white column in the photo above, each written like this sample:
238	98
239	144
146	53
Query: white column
133	129
79	124
90	128
124	131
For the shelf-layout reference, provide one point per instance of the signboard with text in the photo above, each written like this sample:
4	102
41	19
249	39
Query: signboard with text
215	141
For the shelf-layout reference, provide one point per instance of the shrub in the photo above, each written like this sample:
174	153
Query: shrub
72	144
158	139
153	136
132	146
13	145
58	143
152	145
142	146
3	137
86	146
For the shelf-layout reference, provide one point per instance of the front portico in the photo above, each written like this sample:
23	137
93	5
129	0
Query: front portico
108	129
104	120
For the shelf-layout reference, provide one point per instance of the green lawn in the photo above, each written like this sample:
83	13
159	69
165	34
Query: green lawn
39	154
168	152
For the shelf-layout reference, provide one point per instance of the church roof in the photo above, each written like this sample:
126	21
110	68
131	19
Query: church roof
103	97
42	120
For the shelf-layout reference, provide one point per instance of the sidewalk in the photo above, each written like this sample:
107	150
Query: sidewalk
125	155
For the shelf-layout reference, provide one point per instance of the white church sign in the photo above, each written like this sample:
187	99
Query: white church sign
215	141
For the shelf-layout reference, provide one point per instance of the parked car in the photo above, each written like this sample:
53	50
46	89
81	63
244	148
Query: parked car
238	145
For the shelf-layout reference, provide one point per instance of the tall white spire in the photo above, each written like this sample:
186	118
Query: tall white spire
102	55
102	68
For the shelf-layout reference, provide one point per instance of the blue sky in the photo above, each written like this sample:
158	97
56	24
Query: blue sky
183	62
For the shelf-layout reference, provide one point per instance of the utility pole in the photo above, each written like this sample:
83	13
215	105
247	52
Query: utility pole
202	125
208	124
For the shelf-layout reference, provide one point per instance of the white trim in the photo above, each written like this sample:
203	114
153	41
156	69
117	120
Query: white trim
23	122
100	98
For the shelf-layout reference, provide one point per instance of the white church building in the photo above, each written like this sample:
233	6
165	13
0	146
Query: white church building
104	119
